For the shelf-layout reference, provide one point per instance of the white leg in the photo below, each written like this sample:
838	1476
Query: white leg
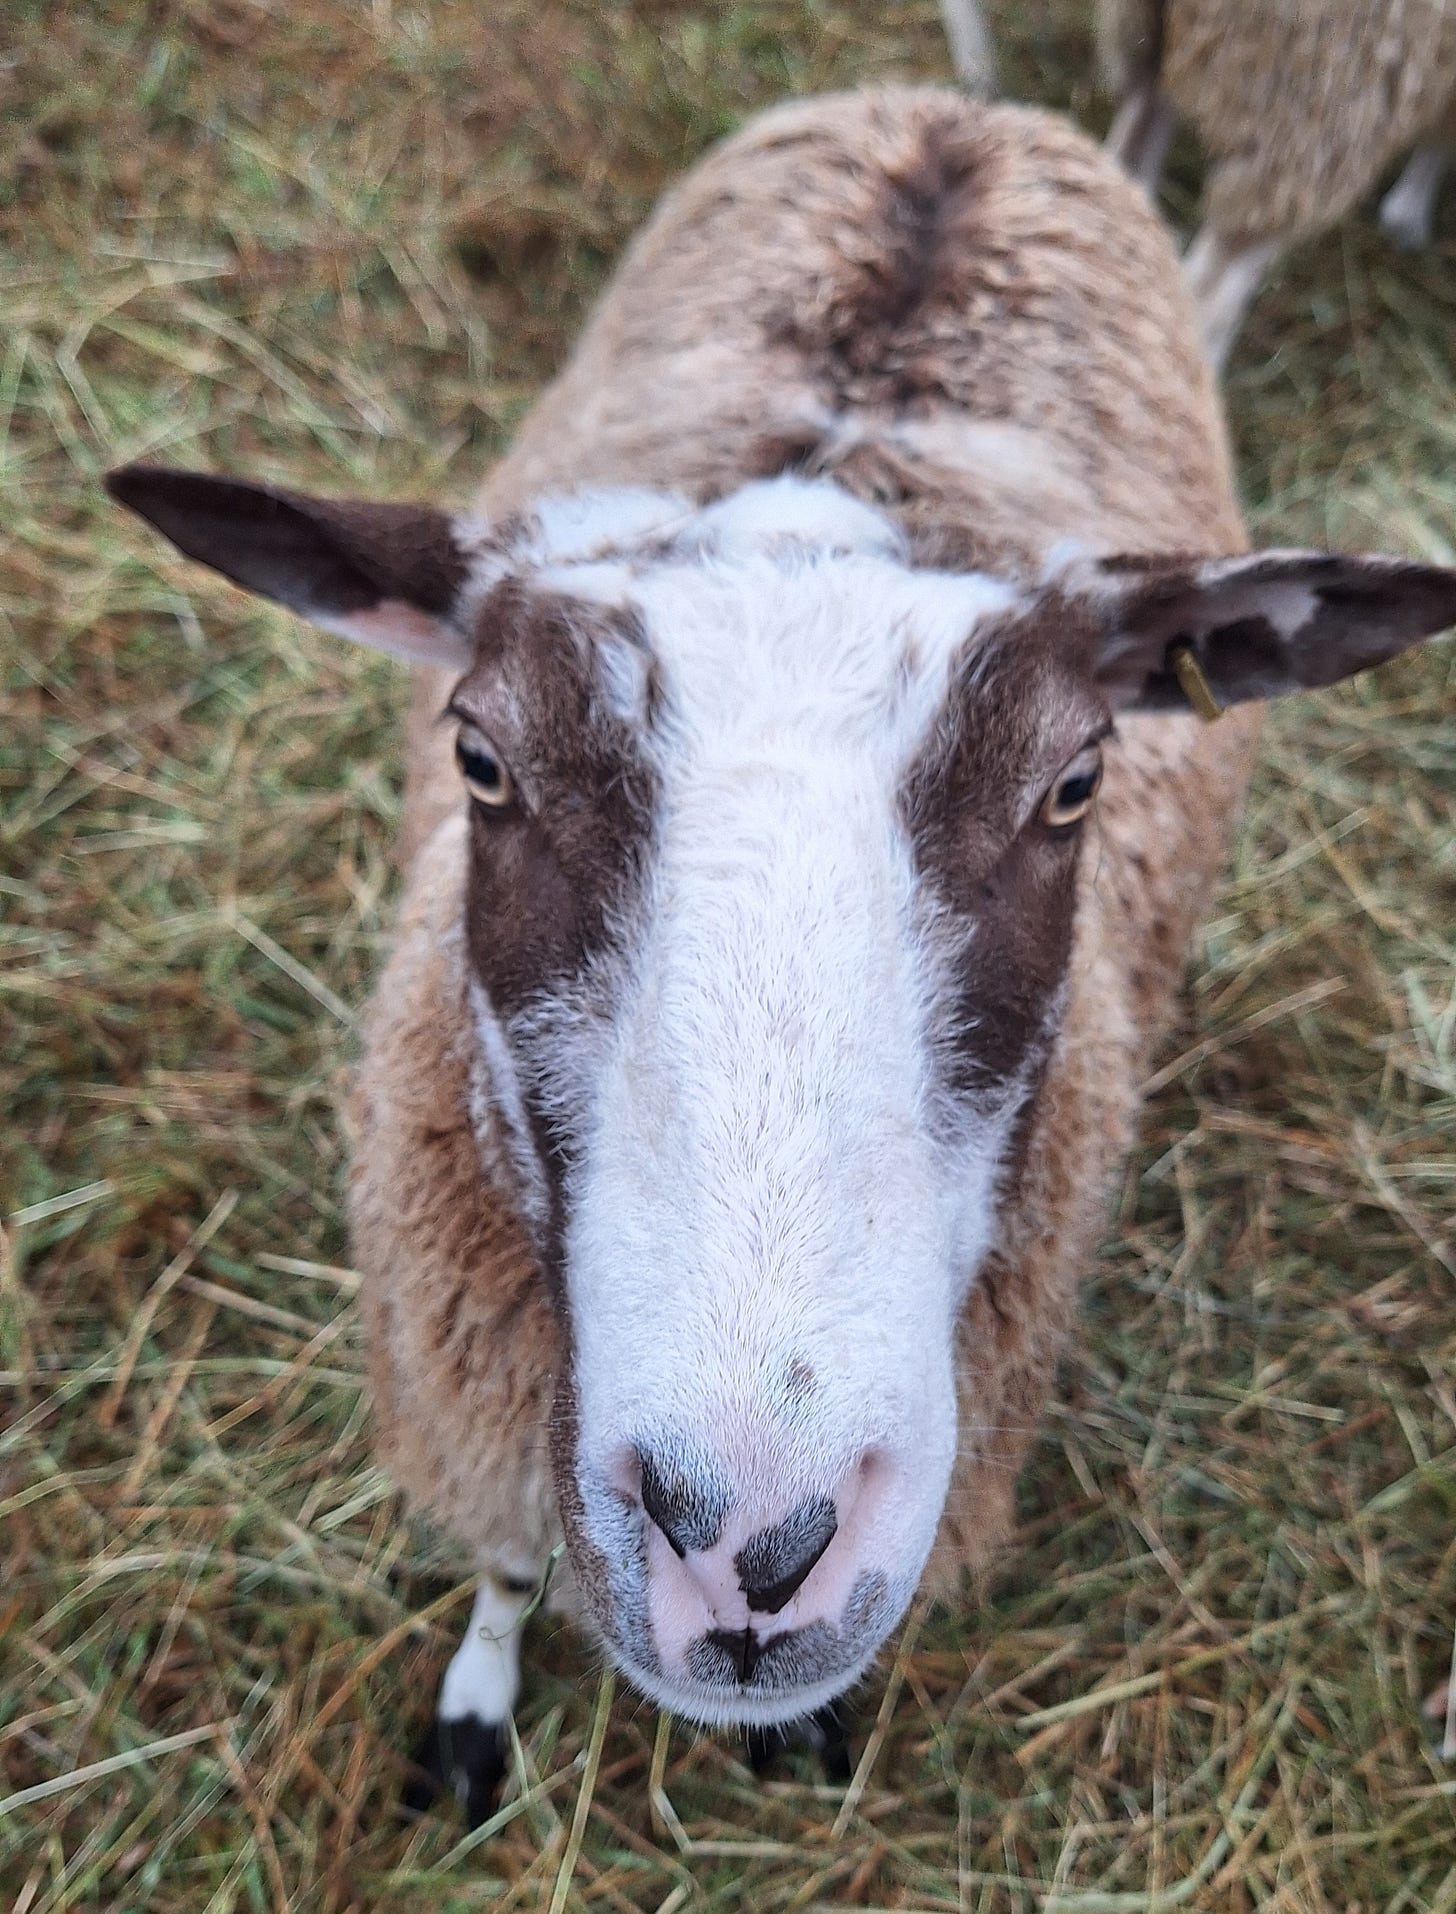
484	1676
465	1749
971	51
1408	211
1223	281
1142	133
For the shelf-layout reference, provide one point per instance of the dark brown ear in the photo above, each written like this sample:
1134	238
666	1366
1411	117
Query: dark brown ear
384	575
1257	626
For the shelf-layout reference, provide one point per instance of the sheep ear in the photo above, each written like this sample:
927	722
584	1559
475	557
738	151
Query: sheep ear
1254	627
387	576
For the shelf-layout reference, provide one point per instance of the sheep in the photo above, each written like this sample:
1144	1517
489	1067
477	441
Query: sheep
1300	106
972	50
786	927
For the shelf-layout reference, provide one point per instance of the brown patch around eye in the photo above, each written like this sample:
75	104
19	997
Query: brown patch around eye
551	878
1005	907
544	896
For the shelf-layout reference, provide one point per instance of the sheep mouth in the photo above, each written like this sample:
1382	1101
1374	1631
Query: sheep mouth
778	1690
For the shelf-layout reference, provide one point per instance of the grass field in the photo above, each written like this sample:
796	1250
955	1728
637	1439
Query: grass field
343	245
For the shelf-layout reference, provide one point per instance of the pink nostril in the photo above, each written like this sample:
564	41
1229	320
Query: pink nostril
774	1564
688	1505
662	1506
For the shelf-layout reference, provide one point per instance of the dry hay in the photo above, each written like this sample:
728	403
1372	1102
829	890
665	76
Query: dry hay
343	244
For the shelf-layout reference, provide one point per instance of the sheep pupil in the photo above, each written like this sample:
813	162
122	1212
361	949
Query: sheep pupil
480	768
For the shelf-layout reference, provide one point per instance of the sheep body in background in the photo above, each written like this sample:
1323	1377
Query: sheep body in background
1300	105
774	986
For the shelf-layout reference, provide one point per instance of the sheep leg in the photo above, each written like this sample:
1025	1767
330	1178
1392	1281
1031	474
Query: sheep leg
1408	211
971	52
823	1733
1223	280
1142	133
465	1749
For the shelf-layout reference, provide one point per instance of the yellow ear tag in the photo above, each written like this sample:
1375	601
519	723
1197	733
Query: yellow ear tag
1195	687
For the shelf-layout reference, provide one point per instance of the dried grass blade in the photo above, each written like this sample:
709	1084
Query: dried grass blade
584	1795
221	1210
113	1764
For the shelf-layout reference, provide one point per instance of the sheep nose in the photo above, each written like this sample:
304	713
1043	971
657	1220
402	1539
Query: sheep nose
774	1564
722	1557
743	1575
689	1512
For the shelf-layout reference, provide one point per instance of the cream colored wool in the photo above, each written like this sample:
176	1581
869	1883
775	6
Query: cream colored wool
1049	387
1300	106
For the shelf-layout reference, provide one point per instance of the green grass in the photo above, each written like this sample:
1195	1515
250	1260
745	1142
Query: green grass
344	244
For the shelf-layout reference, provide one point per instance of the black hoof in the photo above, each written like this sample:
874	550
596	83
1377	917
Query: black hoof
464	1758
822	1733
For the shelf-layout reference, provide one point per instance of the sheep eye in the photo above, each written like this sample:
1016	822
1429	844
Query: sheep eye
1070	798
486	777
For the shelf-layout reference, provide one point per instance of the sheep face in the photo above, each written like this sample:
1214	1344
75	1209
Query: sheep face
771	885
774	839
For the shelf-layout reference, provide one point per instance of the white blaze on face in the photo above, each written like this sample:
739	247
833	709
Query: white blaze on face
762	1173
766	1201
